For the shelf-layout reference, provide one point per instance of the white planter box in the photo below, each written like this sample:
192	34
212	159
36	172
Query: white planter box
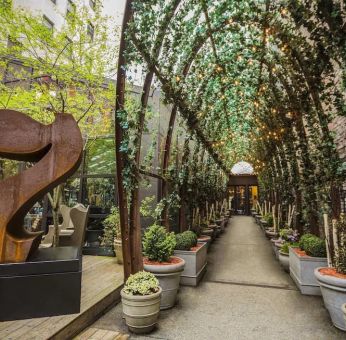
195	264
302	272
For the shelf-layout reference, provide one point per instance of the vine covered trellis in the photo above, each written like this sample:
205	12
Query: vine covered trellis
254	80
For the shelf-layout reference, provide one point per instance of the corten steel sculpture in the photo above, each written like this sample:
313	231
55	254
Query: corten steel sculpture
57	151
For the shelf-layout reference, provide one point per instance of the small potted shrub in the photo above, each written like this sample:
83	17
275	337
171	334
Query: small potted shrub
141	298
195	256
332	280
112	234
304	259
158	248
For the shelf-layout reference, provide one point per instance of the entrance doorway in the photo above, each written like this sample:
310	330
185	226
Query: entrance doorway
243	192
243	198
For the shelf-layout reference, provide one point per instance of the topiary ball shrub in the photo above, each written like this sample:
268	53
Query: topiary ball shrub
192	237
141	283
186	240
314	246
158	244
304	239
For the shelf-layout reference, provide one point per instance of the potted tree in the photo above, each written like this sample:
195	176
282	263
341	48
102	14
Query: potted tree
158	248
195	256
332	279
141	298
112	234
304	259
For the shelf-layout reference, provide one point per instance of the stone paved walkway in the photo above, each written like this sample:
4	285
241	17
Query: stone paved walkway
244	295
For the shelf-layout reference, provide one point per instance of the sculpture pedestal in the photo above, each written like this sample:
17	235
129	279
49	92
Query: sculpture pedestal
48	284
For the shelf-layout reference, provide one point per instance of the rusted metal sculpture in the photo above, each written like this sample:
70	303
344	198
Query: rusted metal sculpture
57	151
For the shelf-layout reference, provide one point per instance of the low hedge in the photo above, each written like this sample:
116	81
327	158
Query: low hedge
185	240
313	245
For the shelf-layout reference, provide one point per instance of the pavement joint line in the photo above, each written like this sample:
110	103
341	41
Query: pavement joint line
249	284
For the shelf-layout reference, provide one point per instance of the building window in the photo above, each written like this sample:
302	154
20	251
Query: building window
71	7
92	3
48	23
90	31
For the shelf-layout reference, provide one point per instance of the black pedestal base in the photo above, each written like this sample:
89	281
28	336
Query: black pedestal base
48	284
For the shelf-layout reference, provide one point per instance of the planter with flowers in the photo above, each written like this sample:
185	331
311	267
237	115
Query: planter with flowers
140	298
288	238
332	279
304	259
158	248
195	256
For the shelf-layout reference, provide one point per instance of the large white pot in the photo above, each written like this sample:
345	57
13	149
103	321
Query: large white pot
168	275
302	271
118	248
208	232
284	261
344	311
334	296
141	311
195	264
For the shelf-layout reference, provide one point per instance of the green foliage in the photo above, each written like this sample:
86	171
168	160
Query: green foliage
112	229
304	240
313	245
146	208
59	71
158	244
340	255
141	283
186	240
285	248
244	102
269	219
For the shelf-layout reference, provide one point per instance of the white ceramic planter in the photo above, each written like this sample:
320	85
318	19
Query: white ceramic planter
334	296
344	311
284	261
276	245
195	265
169	278
208	232
141	312
271	234
302	272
